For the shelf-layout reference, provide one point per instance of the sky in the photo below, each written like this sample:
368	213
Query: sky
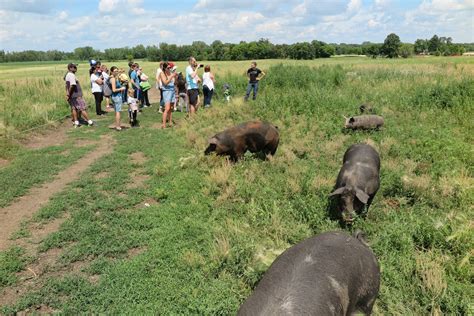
67	24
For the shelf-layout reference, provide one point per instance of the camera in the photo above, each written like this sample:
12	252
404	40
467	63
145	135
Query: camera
199	66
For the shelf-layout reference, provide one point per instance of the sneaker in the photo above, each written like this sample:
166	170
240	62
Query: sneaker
118	128
90	123
145	106
160	111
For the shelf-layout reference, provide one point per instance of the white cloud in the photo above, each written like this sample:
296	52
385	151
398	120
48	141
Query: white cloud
354	5
63	15
79	24
138	11
219	5
108	5
444	17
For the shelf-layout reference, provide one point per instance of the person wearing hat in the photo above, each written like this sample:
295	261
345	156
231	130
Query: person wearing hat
74	96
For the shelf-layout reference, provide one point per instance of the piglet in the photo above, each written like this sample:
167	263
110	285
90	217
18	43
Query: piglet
364	122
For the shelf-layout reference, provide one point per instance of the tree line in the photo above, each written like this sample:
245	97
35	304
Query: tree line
261	49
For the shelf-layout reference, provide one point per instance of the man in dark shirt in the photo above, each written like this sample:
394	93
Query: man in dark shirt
254	74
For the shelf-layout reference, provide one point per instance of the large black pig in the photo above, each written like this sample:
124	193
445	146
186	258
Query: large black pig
253	136
358	181
328	274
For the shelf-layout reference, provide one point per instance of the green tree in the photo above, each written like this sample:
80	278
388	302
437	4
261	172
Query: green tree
434	44
373	50
406	50
391	45
420	46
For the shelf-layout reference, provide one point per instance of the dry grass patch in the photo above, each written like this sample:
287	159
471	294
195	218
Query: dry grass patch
138	158
219	175
320	182
386	144
429	268
193	259
419	183
221	248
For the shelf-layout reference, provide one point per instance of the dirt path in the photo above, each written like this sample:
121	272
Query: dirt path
12	215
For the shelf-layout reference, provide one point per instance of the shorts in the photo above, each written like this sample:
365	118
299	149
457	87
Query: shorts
78	103
117	100
193	96
169	96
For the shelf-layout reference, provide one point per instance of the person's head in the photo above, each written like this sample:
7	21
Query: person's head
135	66
114	71
131	92
253	64
72	67
130	64
207	68
192	61
166	67
103	68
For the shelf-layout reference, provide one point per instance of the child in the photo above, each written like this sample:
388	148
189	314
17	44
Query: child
132	109
227	92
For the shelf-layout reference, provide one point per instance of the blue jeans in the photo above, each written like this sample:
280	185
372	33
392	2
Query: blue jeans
252	86
207	95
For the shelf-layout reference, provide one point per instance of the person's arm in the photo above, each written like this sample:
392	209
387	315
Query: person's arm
165	80
212	77
114	86
133	80
97	80
262	74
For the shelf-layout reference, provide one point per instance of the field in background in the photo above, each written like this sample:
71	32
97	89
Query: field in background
32	94
211	229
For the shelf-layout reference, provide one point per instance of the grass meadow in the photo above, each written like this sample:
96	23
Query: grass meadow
196	233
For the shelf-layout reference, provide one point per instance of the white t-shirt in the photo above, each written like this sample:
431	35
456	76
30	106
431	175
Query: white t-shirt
207	81
95	87
159	84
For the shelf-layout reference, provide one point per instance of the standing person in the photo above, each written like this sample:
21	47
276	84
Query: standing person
169	97
207	85
181	92
117	95
192	80
74	96
144	87
135	81
96	85
159	86
255	75
106	90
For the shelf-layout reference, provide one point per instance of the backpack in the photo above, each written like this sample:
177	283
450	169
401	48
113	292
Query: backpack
107	88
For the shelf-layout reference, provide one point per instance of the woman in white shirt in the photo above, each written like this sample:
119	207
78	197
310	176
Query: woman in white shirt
96	84
207	85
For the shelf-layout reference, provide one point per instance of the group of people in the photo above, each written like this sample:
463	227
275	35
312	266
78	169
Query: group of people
178	91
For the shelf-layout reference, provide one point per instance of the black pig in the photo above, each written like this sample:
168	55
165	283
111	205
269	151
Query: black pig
253	136
358	180
328	274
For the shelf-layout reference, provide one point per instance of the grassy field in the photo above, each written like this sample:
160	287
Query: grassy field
177	232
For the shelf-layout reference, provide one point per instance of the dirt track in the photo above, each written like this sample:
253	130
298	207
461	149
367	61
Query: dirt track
30	203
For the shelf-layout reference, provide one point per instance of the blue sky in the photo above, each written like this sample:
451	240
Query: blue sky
67	24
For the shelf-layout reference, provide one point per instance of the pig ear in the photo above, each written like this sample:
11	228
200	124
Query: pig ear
213	141
337	191
362	196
